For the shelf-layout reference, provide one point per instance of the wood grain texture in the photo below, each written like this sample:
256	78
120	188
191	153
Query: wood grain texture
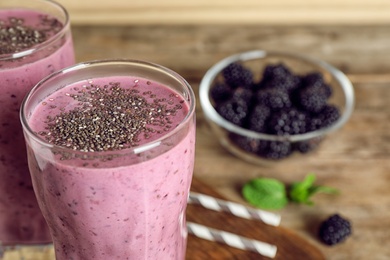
282	12
191	50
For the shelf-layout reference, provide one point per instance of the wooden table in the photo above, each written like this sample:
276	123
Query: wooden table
354	160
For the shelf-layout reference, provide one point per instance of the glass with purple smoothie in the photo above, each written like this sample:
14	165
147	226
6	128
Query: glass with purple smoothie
111	154
35	40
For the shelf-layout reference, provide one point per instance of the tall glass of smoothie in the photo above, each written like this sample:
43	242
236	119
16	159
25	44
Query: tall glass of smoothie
111	154
35	40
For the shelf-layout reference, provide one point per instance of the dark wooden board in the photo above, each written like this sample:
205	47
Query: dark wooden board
289	244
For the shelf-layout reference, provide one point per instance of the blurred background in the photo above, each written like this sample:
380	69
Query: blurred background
189	36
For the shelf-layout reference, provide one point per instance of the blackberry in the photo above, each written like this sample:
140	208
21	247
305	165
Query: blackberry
235	74
233	110
247	144
275	71
220	92
313	94
274	98
287	83
258	117
287	122
313	123
307	146
329	115
334	230
279	76
312	99
243	94
316	80
275	150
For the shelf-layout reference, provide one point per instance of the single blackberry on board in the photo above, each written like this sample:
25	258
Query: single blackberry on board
274	98
235	74
233	110
220	92
334	230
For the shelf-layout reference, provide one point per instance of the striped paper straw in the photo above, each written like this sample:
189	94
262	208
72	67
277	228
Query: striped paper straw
233	208
231	239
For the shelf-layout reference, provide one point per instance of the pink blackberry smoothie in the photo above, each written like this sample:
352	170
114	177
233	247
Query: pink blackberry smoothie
112	162
32	45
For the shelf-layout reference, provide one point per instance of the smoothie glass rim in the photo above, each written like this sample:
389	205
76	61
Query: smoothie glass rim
47	42
190	100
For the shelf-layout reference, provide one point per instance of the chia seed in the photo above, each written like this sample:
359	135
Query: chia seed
108	118
15	36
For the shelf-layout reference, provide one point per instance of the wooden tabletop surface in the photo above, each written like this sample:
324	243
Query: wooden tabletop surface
179	12
353	160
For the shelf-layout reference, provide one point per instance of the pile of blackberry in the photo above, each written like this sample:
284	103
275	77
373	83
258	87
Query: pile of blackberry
280	103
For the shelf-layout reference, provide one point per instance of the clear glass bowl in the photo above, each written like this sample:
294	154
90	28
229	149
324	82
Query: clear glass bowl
256	60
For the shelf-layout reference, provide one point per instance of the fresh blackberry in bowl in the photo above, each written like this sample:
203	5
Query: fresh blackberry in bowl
328	115
279	76
220	92
243	94
274	150
235	74
258	118
313	94
273	98
316	80
275	71
233	110
247	144
281	102
334	230
312	99
287	122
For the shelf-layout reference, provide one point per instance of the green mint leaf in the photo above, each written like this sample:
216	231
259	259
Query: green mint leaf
301	192
265	193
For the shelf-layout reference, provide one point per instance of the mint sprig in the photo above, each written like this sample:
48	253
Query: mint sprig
268	193
265	193
301	192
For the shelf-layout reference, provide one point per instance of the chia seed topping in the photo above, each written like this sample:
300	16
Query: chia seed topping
109	118
16	36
